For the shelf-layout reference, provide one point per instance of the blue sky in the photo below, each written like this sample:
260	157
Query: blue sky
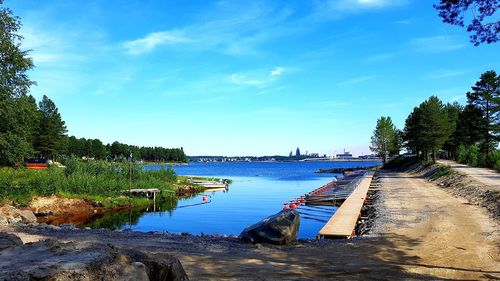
244	77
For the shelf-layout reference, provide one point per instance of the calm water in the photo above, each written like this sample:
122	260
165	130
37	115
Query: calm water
259	189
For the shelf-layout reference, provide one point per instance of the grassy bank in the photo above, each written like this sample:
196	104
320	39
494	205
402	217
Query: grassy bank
84	179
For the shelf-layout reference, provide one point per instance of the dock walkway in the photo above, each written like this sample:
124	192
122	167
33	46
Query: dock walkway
343	222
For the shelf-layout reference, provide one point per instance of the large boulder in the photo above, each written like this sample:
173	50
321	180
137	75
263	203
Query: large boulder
53	260
281	228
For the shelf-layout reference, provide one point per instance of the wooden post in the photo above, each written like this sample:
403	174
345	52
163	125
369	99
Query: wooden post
154	201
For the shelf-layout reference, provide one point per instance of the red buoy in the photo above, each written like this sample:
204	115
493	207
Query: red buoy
292	206
204	199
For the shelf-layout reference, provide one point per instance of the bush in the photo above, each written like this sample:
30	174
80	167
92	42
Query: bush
462	154
493	160
472	157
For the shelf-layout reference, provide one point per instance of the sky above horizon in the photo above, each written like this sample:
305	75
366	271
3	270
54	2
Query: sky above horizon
244	77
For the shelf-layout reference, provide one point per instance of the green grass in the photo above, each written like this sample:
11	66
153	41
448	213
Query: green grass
87	179
441	172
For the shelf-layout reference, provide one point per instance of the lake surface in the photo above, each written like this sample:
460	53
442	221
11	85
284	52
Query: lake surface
259	189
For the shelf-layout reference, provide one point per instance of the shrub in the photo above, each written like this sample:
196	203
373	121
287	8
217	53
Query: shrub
493	160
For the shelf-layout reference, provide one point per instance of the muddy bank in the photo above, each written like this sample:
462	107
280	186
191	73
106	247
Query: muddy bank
79	212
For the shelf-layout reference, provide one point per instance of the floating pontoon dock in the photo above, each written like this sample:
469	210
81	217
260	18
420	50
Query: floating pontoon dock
343	222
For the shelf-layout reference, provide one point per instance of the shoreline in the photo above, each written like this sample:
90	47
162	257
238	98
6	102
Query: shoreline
399	246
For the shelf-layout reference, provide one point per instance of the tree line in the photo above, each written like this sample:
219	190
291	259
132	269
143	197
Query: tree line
469	134
28	129
94	148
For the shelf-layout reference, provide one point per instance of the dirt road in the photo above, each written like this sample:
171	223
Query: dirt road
485	176
448	237
422	233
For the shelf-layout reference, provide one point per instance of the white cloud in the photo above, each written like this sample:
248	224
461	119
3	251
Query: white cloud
436	44
277	71
257	80
153	40
356	80
240	79
48	47
337	8
379	58
444	73
228	30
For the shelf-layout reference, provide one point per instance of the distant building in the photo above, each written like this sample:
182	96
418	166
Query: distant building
345	155
297	152
291	153
315	155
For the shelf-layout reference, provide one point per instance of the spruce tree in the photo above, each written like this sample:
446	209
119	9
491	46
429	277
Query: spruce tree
412	137
435	125
485	96
51	128
454	111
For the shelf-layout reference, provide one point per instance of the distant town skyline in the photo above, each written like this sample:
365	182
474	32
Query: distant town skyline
244	77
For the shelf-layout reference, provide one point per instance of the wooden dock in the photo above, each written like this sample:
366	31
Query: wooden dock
343	222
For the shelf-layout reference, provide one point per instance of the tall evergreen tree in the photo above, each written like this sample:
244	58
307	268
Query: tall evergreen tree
51	128
15	127
469	124
382	141
454	111
435	125
485	96
397	142
412	137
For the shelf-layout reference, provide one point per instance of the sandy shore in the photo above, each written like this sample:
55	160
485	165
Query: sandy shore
422	232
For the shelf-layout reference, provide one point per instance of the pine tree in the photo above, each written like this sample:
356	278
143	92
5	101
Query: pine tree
412	138
454	111
435	125
485	96
51	128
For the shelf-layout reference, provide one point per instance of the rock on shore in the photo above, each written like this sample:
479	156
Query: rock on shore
53	260
9	215
281	228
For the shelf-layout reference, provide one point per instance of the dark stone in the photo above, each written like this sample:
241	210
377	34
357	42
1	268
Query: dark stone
54	260
281	228
9	240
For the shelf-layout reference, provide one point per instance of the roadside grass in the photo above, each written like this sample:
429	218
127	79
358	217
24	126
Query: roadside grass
441	171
